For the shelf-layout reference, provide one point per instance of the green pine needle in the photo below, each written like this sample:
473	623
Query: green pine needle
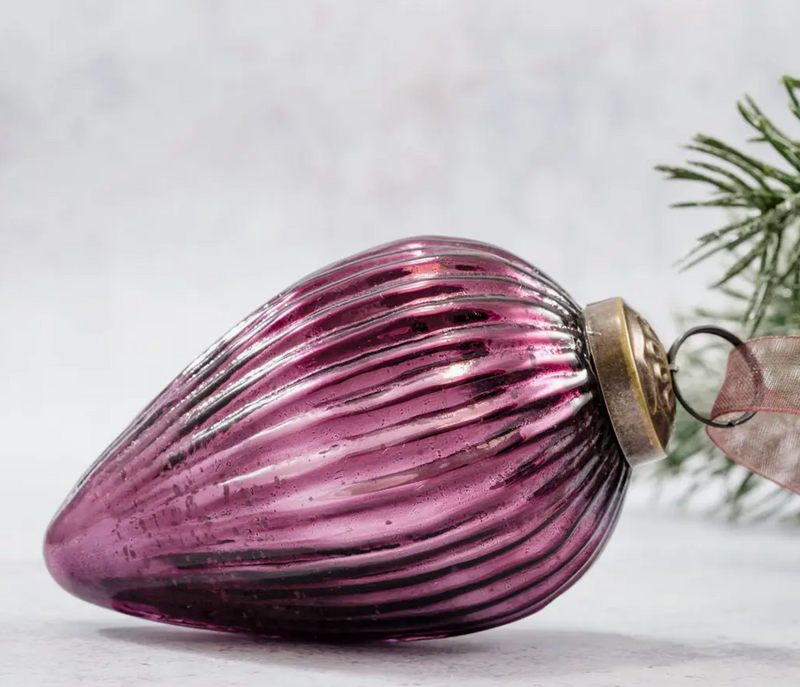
766	198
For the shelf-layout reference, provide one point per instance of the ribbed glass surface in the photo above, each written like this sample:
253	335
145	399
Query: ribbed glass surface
410	443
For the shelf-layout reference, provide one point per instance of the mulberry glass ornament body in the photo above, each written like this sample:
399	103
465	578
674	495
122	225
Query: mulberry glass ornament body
410	443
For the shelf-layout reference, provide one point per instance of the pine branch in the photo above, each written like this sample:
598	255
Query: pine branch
767	199
761	284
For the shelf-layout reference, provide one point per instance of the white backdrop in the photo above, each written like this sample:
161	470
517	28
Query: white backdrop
167	167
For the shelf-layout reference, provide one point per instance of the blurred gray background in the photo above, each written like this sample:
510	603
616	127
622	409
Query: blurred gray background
167	167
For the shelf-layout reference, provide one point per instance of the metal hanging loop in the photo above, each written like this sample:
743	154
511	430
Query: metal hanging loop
672	355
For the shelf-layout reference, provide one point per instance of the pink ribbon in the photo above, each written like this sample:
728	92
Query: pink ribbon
763	376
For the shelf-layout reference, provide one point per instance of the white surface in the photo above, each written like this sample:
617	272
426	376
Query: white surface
167	167
669	604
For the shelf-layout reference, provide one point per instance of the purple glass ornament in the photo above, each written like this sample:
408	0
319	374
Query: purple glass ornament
408	444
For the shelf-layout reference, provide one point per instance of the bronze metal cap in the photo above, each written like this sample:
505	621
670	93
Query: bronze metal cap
633	372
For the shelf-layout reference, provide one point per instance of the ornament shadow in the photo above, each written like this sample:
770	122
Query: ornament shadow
503	653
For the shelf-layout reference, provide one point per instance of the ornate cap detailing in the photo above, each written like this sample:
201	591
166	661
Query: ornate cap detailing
633	373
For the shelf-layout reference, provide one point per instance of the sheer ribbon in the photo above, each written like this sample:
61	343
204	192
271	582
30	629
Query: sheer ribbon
762	376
